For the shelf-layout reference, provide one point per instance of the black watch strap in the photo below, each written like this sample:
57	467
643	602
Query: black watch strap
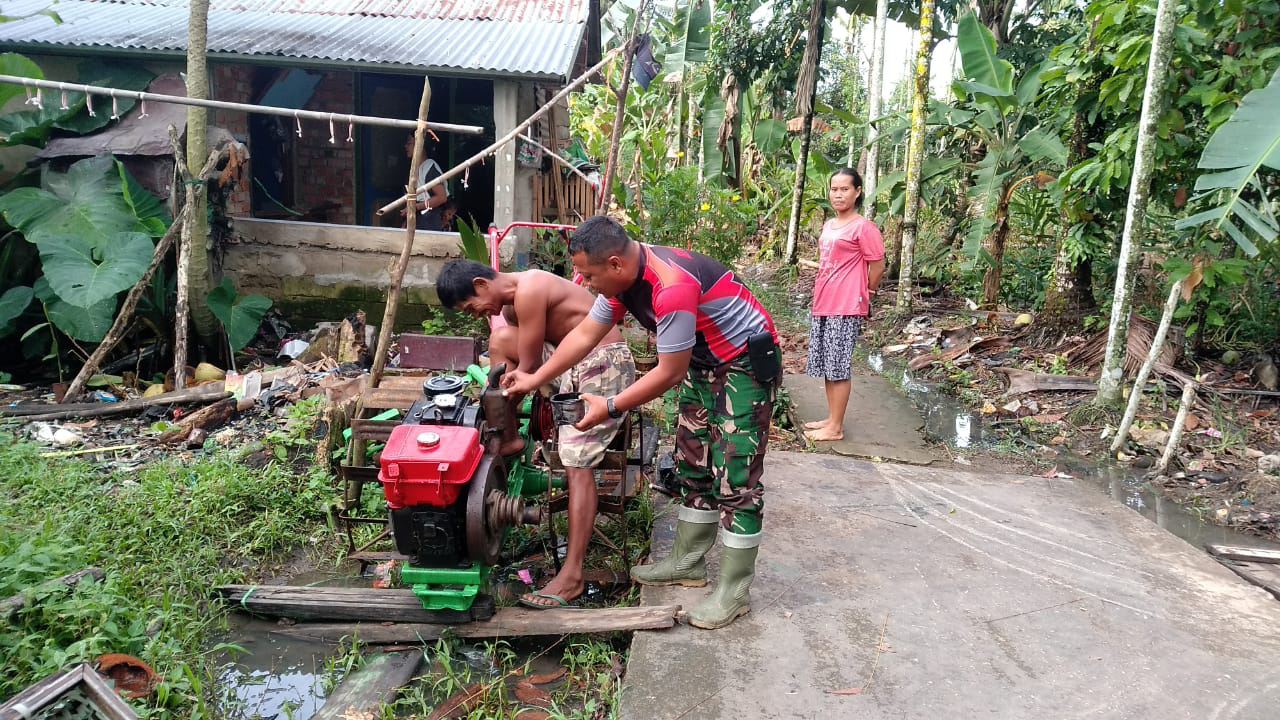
614	412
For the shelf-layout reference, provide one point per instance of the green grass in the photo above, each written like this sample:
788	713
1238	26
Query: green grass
165	535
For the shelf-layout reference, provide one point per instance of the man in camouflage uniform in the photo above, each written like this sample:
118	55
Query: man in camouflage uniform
719	345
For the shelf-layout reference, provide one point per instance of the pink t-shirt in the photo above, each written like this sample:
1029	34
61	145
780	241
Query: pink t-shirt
845	251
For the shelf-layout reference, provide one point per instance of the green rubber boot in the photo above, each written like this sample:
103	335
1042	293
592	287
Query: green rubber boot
732	597
695	534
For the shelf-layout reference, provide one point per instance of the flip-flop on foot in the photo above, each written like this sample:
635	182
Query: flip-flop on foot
559	601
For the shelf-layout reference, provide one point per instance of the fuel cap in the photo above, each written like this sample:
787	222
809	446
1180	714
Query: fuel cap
428	440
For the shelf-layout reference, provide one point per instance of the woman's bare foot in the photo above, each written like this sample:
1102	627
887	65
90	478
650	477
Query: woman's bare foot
567	589
816	424
825	434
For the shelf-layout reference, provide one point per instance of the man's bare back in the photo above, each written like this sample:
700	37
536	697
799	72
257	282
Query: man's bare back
553	302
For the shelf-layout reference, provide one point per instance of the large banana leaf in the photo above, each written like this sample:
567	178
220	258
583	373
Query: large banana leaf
1238	150
770	135
693	39
1042	145
712	119
894	183
978	57
987	191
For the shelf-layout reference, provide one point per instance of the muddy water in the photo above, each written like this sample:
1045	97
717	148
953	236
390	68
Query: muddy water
278	677
946	420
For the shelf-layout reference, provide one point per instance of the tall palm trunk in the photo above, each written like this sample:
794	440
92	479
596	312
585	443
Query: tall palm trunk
199	279
915	154
807	85
874	105
1111	379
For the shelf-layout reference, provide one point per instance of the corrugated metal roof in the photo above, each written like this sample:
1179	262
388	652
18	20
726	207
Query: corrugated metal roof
488	37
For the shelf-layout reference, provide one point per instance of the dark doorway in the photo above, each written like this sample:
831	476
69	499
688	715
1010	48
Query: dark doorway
384	165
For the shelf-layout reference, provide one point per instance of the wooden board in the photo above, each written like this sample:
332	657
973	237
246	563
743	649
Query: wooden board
373	684
321	603
1264	575
1245	554
508	622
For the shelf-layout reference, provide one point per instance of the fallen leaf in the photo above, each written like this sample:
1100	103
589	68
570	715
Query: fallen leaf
1050	472
846	691
545	678
988	408
1192	422
459	704
527	693
1058	440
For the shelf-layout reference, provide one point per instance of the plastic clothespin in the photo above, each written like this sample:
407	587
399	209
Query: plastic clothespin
142	110
63	88
298	120
331	139
115	106
88	103
351	128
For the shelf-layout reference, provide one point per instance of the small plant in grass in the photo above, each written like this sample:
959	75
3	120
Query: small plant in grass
296	435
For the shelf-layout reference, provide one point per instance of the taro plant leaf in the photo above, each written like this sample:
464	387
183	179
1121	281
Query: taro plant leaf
85	324
240	316
1237	151
12	304
769	135
145	207
85	274
20	66
85	202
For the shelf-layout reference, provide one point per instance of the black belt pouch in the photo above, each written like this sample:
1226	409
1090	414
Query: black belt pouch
765	357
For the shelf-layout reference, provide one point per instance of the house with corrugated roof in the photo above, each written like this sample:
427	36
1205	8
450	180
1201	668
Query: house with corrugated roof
304	216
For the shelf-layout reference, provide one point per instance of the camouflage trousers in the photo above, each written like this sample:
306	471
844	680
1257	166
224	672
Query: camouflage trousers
721	438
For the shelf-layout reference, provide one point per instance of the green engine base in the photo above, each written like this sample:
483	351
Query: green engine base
446	588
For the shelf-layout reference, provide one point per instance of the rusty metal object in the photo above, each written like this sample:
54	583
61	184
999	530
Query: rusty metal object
133	678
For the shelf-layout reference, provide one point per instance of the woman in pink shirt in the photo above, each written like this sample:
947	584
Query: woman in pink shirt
851	261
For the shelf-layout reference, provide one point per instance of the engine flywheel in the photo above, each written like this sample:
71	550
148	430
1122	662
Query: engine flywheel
484	538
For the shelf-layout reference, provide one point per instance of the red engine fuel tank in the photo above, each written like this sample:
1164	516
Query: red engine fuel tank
428	464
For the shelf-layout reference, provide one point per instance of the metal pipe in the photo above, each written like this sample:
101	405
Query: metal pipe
242	107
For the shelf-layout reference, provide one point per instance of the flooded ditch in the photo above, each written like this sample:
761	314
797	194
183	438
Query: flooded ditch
948	421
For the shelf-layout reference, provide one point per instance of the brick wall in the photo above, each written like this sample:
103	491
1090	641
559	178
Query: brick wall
325	171
233	83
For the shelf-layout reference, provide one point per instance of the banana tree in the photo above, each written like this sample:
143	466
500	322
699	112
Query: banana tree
997	112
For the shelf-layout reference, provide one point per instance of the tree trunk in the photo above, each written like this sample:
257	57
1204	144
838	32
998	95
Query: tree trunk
915	155
620	112
1111	379
874	110
1140	382
991	279
808	85
199	279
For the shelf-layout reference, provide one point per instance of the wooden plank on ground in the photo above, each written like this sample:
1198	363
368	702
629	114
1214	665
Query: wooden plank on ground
1264	575
508	622
322	603
373	684
1246	554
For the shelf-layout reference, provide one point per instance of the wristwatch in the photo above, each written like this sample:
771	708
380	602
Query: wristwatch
614	412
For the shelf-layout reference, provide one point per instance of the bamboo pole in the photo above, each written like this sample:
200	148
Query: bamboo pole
240	107
619	114
1140	382
460	168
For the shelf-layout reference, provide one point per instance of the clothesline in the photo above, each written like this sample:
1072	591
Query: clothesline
297	115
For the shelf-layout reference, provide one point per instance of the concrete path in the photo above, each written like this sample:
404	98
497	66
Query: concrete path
880	422
950	595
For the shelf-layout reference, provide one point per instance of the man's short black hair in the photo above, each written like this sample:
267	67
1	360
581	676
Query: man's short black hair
457	281
600	237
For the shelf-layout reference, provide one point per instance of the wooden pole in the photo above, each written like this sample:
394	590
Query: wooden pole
620	112
480	156
1179	423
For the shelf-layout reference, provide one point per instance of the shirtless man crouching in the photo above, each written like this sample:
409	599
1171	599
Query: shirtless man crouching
541	309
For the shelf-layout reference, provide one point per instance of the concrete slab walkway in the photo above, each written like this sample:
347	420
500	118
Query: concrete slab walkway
880	422
950	595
